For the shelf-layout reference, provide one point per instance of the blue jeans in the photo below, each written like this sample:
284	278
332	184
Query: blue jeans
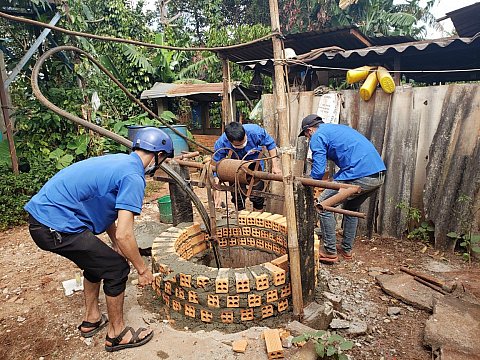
327	220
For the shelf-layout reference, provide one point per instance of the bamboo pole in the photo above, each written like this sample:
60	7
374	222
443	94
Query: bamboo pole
6	116
280	95
226	94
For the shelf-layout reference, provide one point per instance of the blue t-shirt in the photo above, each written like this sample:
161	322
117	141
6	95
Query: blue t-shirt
352	152
256	138
88	194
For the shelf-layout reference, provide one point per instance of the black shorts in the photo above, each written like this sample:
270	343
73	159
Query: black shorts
97	260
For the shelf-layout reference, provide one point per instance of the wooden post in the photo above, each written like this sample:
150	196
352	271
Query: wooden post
397	76
287	151
182	209
226	94
4	101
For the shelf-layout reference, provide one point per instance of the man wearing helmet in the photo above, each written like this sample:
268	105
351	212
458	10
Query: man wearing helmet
84	200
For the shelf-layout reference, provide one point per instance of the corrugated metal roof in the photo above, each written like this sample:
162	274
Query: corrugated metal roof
439	54
198	92
466	20
345	37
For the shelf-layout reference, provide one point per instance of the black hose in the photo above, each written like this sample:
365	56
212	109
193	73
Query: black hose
109	134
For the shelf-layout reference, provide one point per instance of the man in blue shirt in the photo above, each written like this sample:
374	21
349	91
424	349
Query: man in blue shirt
245	142
85	199
360	164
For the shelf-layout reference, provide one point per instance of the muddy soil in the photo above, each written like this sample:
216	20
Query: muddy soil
38	321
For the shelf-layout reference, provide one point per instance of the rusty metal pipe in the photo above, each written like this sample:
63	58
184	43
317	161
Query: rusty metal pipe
343	211
343	194
187	155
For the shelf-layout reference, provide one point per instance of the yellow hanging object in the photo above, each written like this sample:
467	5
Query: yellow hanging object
357	74
369	86
386	80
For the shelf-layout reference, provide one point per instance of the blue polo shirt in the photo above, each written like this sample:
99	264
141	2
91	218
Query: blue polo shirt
88	194
352	152
256	138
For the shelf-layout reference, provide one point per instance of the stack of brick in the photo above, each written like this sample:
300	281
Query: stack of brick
224	295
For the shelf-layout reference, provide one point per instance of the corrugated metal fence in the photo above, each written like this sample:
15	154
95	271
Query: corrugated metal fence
429	138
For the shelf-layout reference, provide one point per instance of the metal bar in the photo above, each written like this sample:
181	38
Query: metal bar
344	212
31	51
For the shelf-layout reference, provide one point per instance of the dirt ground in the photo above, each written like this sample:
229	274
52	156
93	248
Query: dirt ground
38	321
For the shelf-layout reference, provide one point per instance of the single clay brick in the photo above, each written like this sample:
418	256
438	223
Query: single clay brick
227	317
274	344
202	281
260	243
232	242
272	295
194	229
283	305
267	311
223	242
185	280
254	300
242	217
246	231
219	233
243	283
221	282
233	301
279	275
243	241
261	281
168	287
206	316
286	291
213	301
268	246
190	310
176	305
193	297
251	242
246	314
180	293
255	232
239	346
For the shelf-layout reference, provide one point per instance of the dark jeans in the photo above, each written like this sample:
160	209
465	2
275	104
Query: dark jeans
327	220
257	201
97	260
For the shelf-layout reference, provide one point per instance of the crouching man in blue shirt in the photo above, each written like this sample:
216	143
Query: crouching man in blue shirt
360	164
84	200
245	142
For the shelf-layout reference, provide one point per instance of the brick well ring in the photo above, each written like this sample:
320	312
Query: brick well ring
249	292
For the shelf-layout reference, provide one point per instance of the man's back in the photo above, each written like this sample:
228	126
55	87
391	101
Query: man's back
352	152
87	194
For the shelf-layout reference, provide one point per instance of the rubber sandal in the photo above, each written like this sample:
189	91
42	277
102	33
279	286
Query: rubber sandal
97	326
346	255
327	258
134	341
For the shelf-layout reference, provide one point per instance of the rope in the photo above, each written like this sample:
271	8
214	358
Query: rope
132	42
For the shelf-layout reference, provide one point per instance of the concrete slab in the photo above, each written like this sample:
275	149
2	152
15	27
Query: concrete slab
454	327
405	288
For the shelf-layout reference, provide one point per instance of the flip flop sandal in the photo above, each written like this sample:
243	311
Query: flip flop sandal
327	258
97	326
134	341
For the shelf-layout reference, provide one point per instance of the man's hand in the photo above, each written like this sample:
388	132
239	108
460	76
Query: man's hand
146	278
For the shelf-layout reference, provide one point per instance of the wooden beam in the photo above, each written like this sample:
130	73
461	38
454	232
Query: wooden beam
5	103
283	121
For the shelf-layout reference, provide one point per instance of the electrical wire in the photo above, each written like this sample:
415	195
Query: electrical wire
132	42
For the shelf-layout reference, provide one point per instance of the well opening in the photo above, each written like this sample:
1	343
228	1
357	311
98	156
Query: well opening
252	284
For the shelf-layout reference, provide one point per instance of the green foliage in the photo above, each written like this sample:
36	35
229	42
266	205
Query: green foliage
469	240
416	230
327	344
16	190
